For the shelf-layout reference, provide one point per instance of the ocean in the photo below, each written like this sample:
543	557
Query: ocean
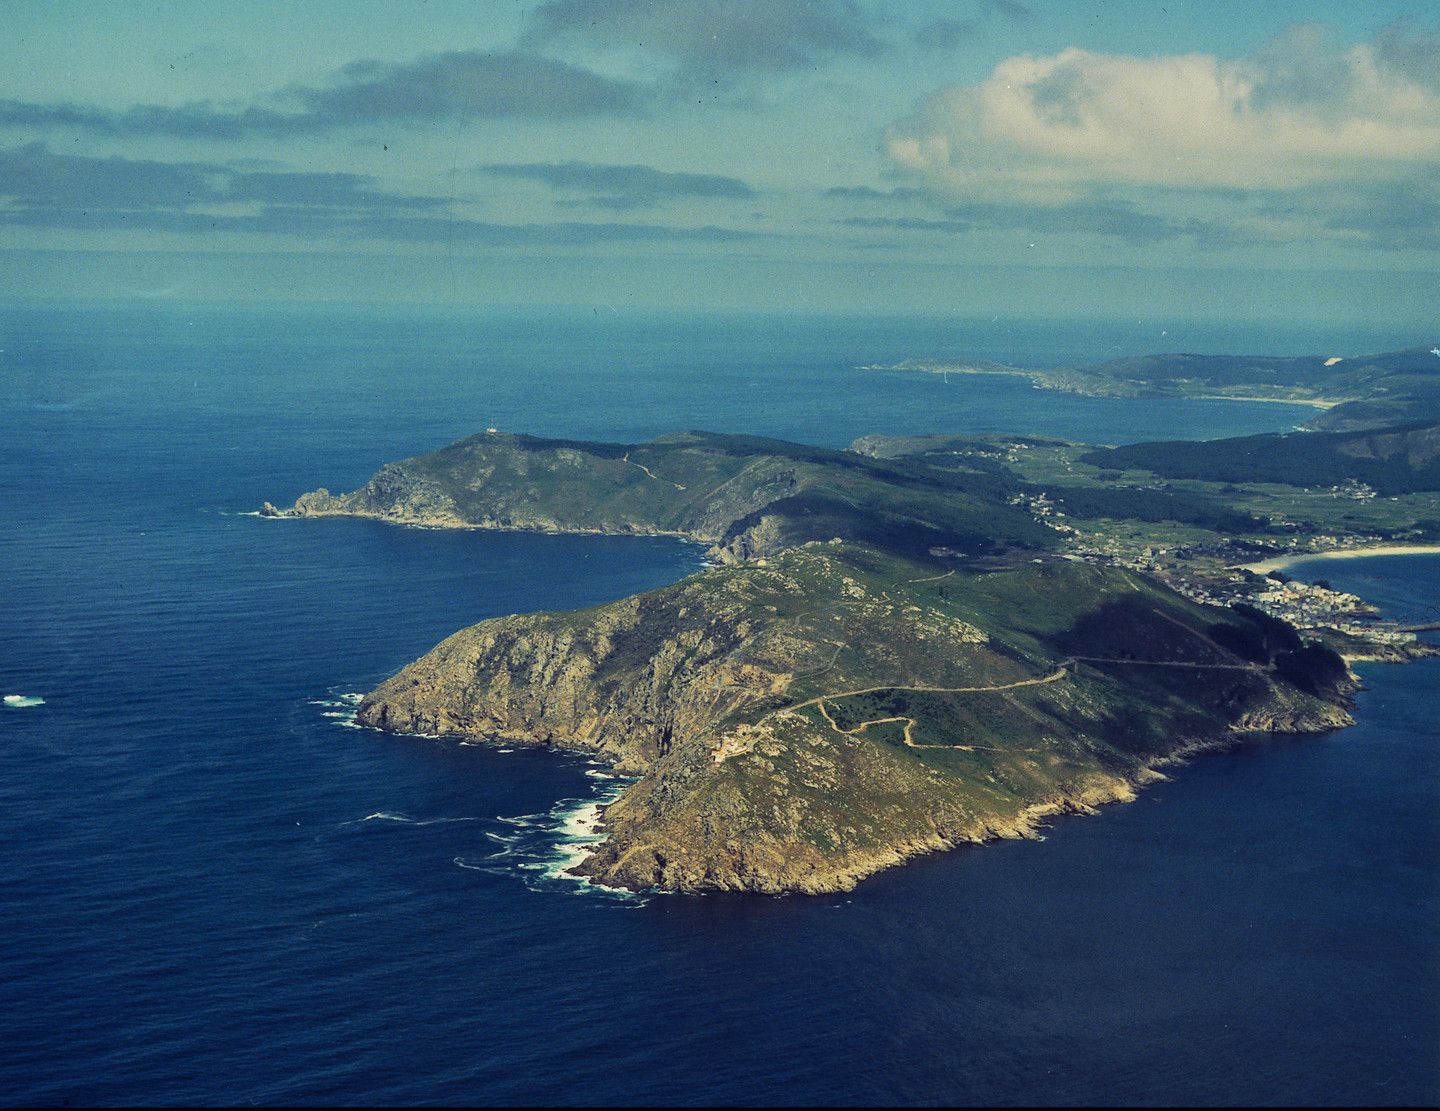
214	889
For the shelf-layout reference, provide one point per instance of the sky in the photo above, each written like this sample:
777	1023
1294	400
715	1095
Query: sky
1025	157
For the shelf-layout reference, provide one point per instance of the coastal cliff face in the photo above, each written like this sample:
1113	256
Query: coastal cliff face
800	723
600	681
393	494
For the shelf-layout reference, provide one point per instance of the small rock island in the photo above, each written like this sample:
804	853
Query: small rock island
892	653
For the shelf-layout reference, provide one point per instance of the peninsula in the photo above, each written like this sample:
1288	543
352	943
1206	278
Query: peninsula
1350	392
901	647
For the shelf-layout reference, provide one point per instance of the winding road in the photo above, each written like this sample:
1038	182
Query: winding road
727	750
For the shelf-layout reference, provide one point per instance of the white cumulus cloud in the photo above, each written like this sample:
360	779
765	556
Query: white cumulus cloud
1299	112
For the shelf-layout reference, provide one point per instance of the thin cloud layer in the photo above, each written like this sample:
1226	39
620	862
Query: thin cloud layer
624	187
42	189
719	36
32	177
870	193
905	223
950	32
464	84
1299	111
1111	219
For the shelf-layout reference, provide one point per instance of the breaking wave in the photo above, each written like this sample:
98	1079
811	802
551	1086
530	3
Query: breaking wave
543	849
338	707
405	819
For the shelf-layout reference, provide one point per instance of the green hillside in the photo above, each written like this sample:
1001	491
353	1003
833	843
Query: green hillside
1392	461
746	495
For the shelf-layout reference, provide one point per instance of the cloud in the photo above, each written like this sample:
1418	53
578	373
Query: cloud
1414	55
33	177
466	83
1396	216
1106	218
42	189
458	85
867	193
905	223
1298	111
624	187
190	121
334	190
1011	10
948	33
313	223
1114	219
712	36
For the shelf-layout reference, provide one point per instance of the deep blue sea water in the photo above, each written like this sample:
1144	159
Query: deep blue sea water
213	890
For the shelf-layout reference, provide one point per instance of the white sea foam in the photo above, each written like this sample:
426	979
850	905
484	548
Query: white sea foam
338	707
406	820
543	849
23	701
339	698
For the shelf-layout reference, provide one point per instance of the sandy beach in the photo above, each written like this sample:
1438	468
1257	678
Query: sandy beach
1279	563
1313	402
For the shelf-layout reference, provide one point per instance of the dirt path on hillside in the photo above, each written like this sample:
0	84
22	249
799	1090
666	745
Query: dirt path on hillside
626	459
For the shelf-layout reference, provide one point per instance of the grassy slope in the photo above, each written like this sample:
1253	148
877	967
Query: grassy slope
1376	390
1078	499
1396	461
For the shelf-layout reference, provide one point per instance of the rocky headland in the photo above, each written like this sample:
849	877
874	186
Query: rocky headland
891	659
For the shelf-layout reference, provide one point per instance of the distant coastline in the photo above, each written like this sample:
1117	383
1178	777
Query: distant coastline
1279	563
1091	385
